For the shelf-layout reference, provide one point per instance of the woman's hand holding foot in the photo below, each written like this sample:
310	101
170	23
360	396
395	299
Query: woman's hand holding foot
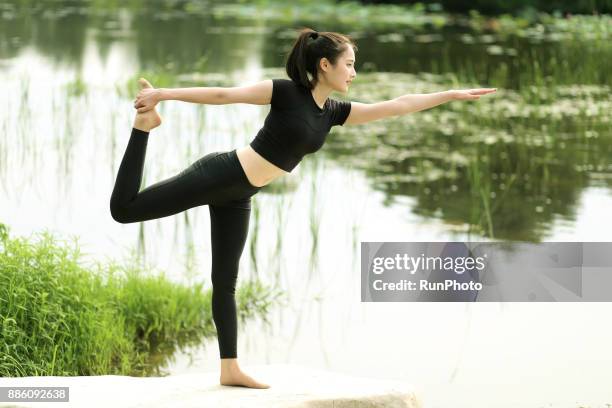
146	119
147	98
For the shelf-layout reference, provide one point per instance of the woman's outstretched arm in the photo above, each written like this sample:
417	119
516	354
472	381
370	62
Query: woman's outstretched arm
259	93
200	94
149	97
402	105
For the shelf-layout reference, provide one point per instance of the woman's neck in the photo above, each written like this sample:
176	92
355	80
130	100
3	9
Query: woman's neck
320	93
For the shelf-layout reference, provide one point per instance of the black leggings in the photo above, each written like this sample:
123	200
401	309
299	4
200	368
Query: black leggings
217	179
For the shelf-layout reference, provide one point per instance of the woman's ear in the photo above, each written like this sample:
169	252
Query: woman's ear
324	64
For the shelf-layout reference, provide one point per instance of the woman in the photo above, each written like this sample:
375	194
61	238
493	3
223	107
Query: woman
300	117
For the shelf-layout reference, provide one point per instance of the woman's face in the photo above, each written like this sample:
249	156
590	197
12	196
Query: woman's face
338	77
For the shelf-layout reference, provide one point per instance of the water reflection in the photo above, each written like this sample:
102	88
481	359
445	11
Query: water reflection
507	167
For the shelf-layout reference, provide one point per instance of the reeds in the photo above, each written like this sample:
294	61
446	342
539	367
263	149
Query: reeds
59	317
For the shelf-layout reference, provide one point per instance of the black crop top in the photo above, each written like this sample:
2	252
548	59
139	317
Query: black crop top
296	125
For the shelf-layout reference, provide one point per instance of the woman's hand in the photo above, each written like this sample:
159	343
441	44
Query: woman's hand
146	99
463	94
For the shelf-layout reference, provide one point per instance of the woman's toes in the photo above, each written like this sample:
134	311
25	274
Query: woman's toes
144	83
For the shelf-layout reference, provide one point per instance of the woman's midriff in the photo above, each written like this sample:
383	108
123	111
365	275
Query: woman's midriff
258	170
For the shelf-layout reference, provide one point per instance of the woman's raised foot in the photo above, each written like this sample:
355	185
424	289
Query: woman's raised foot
150	119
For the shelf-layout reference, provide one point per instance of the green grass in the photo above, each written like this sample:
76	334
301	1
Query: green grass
58	317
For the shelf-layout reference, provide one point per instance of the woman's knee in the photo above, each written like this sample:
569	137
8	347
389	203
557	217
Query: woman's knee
224	280
224	288
120	213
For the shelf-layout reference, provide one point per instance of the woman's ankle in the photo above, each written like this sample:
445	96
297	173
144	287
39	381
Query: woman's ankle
141	123
147	121
141	128
229	363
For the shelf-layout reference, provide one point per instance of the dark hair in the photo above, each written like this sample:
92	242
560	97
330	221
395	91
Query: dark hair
309	48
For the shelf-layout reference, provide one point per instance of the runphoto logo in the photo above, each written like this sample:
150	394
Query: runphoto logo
411	264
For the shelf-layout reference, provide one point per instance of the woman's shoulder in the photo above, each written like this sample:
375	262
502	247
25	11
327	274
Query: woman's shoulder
284	92
286	83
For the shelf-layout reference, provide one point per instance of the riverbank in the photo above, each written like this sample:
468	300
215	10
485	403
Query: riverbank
64	314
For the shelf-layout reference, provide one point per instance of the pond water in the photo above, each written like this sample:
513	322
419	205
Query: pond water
531	163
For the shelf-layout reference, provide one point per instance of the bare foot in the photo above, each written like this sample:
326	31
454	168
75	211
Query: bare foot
150	119
231	374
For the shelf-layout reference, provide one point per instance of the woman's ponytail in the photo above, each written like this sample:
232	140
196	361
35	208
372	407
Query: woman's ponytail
308	49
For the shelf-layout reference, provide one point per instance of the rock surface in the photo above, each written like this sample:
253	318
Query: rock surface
291	386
